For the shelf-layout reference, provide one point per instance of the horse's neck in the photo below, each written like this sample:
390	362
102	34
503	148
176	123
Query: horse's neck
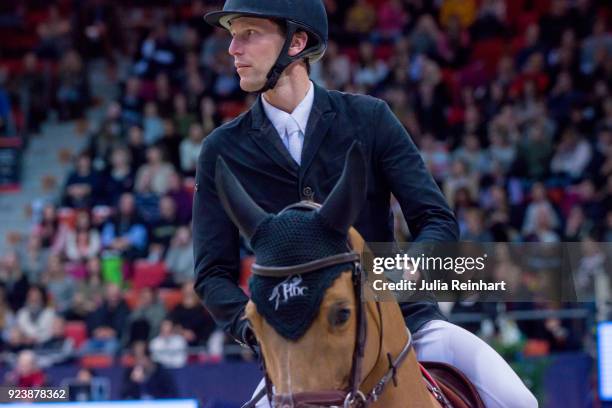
411	390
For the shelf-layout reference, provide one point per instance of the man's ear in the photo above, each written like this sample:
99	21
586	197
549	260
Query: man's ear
298	43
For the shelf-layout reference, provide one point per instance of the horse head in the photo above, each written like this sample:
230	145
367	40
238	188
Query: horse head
305	307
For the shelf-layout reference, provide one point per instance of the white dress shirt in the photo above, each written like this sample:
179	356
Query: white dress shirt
291	126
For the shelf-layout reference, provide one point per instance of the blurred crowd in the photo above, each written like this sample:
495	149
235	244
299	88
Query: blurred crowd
508	101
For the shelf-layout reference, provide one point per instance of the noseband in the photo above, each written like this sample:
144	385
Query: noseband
351	397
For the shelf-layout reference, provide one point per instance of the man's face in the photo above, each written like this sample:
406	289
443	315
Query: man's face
256	44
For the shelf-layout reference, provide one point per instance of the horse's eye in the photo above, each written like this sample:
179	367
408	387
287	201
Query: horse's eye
339	316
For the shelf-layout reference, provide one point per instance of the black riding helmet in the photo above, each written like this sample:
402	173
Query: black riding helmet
306	15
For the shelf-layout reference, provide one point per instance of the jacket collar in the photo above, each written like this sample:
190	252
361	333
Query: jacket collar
266	136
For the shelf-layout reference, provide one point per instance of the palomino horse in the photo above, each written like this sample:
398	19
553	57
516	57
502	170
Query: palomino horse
321	344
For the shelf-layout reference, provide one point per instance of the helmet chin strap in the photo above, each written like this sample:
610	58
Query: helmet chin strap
283	60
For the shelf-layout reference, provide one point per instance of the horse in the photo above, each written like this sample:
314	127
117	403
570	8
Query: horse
346	352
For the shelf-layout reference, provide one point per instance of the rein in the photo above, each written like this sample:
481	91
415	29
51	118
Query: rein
353	397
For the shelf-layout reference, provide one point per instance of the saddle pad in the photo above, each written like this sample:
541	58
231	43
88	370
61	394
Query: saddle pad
459	391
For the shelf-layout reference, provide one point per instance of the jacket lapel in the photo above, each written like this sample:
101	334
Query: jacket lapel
267	138
319	122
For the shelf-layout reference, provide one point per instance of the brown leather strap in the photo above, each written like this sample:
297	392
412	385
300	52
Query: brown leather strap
282	271
391	373
305	399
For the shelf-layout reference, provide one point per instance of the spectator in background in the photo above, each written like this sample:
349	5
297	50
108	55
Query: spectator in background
369	71
162	231
539	205
137	147
183	199
158	53
543	229
143	322
154	175
107	323
26	373
209	116
35	318
459	177
14	280
576	226
131	103
169	348
191	319
147	379
125	233
147	202
435	155
572	156
360	18
54	34
426	36
190	149
83	242
471	153
463	10
59	285
89	293
33	258
475	230
491	20
391	19
7	319
596	47
179	258
107	137
119	177
153	125
73	90
170	144
214	45
533	155
335	69
81	183
7	125
500	151
163	96
59	349
183	119
33	92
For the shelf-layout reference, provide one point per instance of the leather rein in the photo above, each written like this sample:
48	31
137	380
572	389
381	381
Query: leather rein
352	397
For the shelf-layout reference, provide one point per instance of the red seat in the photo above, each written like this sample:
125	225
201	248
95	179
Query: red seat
131	297
67	216
77	331
148	275
97	361
171	297
536	348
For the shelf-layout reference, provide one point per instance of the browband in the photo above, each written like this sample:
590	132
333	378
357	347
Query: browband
283	271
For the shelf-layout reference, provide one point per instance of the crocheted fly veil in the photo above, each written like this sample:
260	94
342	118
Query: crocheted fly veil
297	235
290	304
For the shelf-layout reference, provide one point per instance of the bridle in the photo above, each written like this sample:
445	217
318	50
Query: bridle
352	397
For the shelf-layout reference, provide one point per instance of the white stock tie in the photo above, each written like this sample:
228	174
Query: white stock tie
294	139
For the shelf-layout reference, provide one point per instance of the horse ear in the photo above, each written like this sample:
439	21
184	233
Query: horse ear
236	202
344	203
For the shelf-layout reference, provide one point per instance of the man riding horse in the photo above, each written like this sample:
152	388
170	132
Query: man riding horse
290	146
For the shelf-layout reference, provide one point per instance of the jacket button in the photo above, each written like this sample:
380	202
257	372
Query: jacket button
308	193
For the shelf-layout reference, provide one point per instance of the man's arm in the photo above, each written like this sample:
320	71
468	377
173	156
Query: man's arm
427	214
216	251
